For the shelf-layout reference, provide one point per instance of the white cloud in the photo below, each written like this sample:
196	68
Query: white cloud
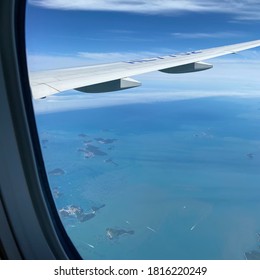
80	101
139	6
213	35
39	62
242	10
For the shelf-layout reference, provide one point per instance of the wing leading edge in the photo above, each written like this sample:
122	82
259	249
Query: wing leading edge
115	76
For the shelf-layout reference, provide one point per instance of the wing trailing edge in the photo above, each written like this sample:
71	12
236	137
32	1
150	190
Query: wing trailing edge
115	76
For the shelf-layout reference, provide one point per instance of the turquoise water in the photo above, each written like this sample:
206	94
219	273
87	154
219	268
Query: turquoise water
183	175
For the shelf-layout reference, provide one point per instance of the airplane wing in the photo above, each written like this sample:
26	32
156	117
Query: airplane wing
115	76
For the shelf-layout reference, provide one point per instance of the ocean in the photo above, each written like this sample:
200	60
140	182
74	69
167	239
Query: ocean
163	180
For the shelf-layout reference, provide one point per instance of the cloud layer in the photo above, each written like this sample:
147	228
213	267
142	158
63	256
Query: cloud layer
79	101
241	10
214	35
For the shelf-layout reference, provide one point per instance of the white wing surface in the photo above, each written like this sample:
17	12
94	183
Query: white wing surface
115	76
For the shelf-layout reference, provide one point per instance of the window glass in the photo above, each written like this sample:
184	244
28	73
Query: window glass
167	170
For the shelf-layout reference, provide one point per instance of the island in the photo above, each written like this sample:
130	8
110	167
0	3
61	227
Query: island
56	172
253	255
83	135
56	193
105	141
113	233
95	150
76	212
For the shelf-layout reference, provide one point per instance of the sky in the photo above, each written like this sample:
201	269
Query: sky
64	33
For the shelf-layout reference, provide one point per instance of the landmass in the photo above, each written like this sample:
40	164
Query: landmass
111	148
77	212
56	172
89	154
81	150
56	193
44	143
250	155
105	141
109	160
253	255
91	150
113	233
83	135
86	216
203	135
74	211
70	211
96	208
95	150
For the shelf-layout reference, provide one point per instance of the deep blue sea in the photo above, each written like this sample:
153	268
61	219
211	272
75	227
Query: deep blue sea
183	175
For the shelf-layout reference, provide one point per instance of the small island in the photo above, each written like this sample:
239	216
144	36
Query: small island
76	212
44	141
91	149
105	141
56	172
83	135
253	255
113	233
56	193
110	160
250	155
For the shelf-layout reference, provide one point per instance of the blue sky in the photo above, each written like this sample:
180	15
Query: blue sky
63	33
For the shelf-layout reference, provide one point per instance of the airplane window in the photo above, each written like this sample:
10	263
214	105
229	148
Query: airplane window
164	170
